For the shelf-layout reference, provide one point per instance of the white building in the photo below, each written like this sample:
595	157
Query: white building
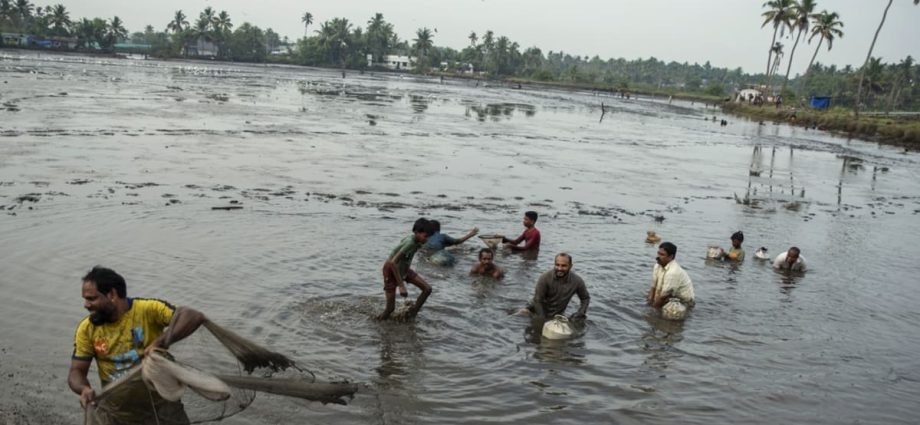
392	62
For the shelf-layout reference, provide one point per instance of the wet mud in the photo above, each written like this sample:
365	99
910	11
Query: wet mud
269	197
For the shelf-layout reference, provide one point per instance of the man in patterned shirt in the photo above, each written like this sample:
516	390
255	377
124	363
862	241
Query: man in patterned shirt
120	331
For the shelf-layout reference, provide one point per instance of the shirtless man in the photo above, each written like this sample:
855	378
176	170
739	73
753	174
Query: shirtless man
486	267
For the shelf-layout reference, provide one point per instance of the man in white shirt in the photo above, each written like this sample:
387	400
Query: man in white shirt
790	260
669	280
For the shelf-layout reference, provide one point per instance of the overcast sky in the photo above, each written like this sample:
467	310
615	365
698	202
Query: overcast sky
725	32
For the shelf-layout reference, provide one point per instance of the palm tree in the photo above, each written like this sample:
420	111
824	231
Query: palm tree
826	25
114	32
862	74
178	24
378	36
780	14
22	13
307	19
803	11
902	74
335	38
488	41
473	38
777	57
222	22
422	43
208	17
6	12
60	19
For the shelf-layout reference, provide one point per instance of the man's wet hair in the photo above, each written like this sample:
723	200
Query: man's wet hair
738	236
670	248
485	250
435	226
566	255
422	225
106	279
532	215
796	250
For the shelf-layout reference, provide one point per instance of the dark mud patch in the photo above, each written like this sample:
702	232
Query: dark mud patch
136	185
78	181
29	197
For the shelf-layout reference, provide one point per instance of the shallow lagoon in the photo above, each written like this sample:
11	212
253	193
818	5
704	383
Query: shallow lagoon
120	162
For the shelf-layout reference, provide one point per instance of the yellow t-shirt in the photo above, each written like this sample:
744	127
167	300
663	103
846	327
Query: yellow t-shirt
119	346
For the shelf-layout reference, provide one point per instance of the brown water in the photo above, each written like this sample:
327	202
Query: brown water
119	162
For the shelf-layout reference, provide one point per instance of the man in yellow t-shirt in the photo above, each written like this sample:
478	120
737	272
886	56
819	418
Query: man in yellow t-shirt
119	330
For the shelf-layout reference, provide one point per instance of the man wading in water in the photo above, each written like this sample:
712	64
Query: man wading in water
396	271
118	333
530	237
669	280
555	289
486	266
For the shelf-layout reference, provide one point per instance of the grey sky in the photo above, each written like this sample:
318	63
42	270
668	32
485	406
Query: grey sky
725	32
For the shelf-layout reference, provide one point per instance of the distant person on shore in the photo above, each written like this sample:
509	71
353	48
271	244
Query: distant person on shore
530	237
670	282
396	271
118	333
736	253
438	241
791	260
486	267
555	289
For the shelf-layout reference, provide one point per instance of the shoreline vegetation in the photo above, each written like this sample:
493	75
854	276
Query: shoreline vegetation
887	93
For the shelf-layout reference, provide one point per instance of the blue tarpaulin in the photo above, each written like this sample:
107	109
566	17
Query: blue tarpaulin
820	102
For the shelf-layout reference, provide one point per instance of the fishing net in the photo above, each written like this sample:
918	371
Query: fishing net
214	380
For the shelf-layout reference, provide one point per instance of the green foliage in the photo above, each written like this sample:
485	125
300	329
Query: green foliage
248	44
715	90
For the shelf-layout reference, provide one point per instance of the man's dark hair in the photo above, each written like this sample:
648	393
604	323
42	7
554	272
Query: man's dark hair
485	250
738	236
435	226
796	250
532	215
422	225
670	248
106	279
566	255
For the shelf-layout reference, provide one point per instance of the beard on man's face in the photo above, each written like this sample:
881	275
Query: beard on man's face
100	317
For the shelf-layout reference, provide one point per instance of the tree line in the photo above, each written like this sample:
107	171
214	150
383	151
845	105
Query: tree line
342	44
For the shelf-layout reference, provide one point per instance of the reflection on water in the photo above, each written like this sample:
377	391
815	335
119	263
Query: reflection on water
659	341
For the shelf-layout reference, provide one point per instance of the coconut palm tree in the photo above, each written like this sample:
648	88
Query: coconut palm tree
902	74
825	25
60	19
22	14
208	17
862	74
334	39
777	51
222	22
307	20
379	33
803	11
473	38
422	43
6	14
780	14
178	24
114	32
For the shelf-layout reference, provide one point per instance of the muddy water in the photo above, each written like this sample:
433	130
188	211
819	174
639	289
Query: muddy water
120	162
